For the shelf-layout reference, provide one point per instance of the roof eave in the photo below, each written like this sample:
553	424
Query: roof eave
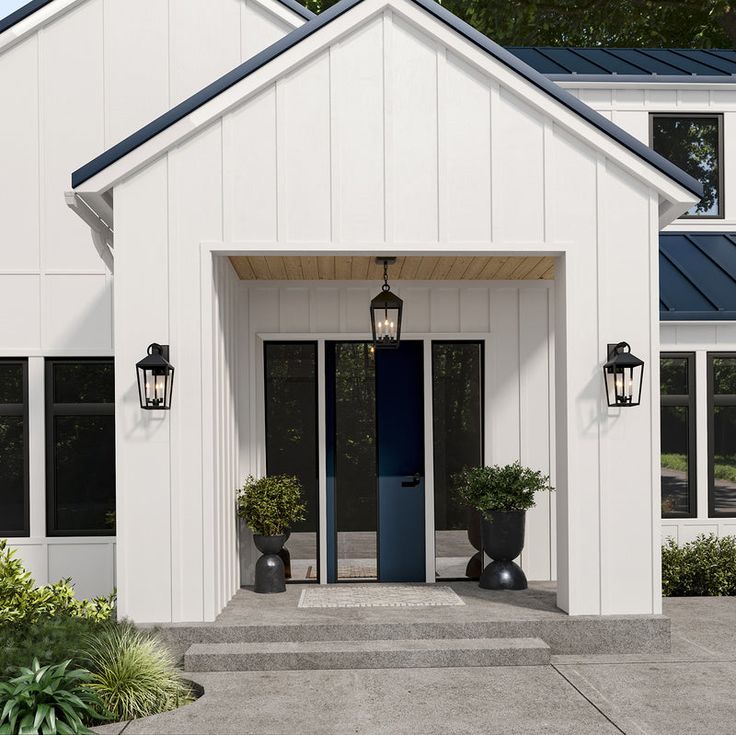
680	187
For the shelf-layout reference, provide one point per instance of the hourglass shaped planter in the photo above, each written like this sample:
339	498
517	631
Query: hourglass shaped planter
270	567
503	540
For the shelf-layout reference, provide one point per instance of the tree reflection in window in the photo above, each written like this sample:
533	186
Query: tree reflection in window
692	143
722	468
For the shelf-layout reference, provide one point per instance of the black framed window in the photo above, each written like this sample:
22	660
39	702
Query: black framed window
291	442
693	143
722	433
80	447
14	448
678	465
457	420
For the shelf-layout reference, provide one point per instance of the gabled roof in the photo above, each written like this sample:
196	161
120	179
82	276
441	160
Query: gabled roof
563	63
29	8
697	276
437	11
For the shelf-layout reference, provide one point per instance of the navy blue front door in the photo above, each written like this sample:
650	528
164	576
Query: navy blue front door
400	434
375	462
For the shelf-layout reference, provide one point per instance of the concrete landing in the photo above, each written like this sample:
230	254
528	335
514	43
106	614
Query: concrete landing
377	654
484	614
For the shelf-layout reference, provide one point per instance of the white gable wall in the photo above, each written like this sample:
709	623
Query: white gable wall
387	140
74	84
630	106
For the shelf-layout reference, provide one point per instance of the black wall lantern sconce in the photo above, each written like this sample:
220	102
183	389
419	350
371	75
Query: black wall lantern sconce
624	375
155	378
386	311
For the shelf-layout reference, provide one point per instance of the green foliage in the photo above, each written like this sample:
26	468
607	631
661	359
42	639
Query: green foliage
21	601
724	467
674	462
488	489
133	674
49	699
655	23
270	505
50	640
706	566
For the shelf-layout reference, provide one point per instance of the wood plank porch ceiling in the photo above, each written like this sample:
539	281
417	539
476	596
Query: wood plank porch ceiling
361	268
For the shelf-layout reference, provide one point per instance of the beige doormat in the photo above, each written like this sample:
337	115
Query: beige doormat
379	595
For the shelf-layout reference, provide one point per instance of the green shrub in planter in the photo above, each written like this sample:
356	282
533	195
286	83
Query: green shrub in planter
507	488
133	673
271	505
706	566
21	601
49	699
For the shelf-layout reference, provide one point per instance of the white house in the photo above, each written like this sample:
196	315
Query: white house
241	198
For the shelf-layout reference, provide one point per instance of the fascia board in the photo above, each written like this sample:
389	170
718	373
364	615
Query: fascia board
39	18
350	21
639	80
284	10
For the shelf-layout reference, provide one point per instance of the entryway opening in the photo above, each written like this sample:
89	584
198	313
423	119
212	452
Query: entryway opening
386	430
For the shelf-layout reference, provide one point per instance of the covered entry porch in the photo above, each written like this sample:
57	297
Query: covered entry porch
321	404
385	127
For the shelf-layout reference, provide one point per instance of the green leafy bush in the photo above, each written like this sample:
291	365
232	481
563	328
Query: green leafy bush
133	674
706	566
50	640
21	601
489	489
270	505
49	699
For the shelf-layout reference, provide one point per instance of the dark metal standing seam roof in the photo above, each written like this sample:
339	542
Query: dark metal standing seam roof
29	8
433	8
697	276
652	63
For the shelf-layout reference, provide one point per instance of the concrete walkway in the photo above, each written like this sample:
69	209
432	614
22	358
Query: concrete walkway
690	690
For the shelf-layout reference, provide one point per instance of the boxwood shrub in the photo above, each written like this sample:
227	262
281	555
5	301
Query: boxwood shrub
704	567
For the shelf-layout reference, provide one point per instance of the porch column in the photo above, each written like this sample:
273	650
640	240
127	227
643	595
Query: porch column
608	539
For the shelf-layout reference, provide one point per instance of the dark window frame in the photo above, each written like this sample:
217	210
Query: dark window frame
718	117
713	401
685	401
315	343
482	343
20	409
67	409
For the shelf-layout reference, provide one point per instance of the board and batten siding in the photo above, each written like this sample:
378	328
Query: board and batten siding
75	84
630	108
516	321
699	339
306	166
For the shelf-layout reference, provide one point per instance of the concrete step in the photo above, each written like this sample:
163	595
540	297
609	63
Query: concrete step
376	654
564	635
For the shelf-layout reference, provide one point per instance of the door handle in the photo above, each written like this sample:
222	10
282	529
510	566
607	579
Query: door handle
413	481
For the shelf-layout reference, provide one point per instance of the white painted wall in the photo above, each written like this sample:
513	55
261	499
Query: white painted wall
282	171
76	78
514	316
629	106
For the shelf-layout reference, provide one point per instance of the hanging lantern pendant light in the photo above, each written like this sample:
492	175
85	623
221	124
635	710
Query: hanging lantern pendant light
386	311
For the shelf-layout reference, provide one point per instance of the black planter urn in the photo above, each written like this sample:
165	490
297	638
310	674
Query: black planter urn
270	567
503	540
